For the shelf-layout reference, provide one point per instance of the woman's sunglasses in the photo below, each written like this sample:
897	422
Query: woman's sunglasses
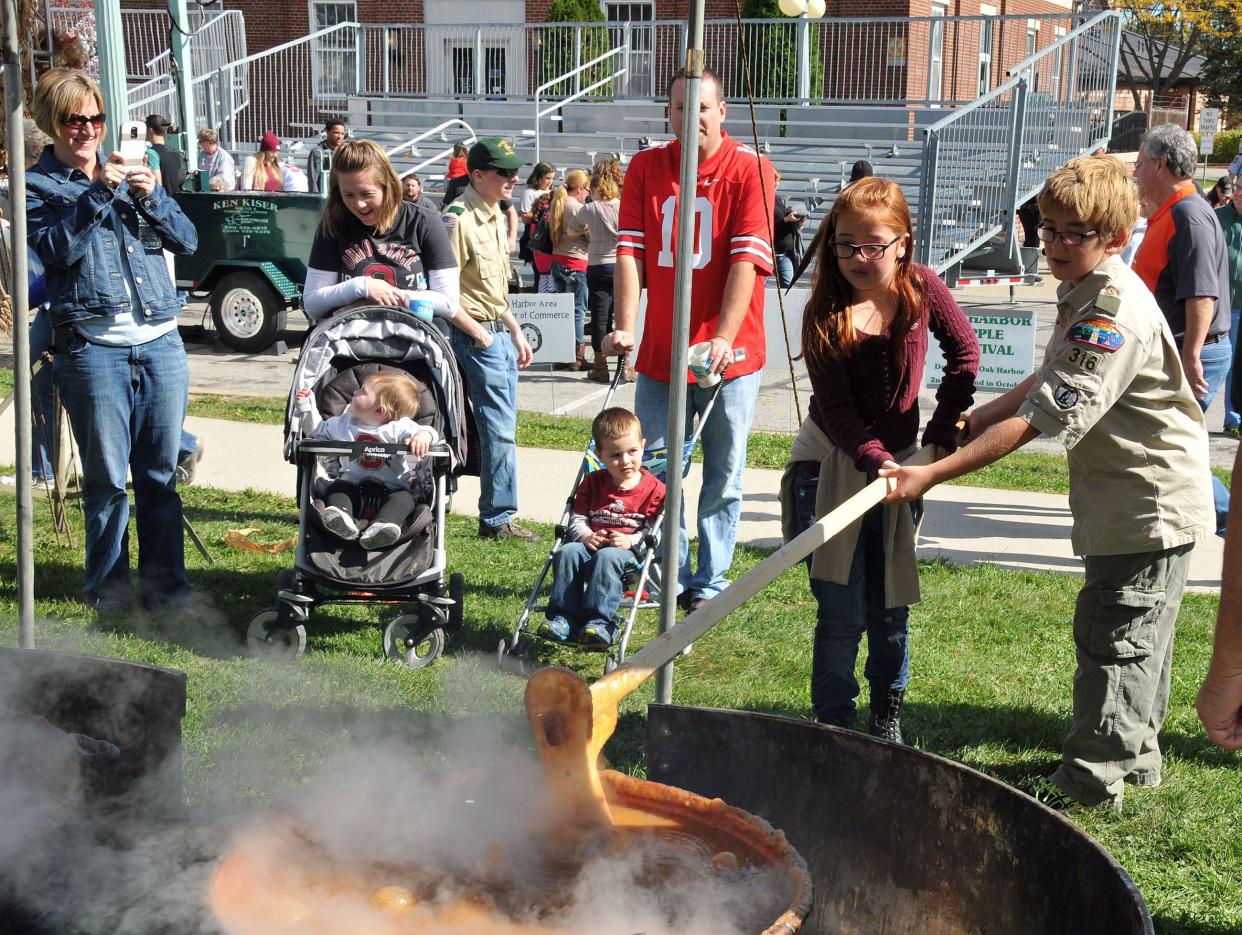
78	121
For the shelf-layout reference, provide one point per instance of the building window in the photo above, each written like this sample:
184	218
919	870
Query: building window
1032	40
935	57
1058	62
334	58
985	55
630	21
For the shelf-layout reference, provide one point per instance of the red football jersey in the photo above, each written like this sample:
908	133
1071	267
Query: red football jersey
734	221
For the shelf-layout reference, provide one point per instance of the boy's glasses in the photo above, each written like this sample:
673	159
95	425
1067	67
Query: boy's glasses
78	121
870	251
1069	238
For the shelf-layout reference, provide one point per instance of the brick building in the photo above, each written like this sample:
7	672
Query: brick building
428	48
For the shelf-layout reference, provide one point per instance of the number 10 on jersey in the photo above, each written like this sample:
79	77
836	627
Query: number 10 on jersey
702	233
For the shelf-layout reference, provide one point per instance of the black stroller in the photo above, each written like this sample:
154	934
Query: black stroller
408	575
642	579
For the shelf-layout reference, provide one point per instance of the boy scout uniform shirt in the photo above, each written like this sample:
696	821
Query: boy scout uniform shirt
479	237
1111	388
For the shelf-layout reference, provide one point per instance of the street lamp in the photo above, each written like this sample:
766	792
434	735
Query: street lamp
804	11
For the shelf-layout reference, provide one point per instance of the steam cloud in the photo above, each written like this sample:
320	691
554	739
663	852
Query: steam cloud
450	801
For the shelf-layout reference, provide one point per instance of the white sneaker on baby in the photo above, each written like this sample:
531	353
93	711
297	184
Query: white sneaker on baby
339	523
380	535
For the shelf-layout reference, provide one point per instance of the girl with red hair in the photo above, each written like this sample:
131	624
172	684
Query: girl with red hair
864	339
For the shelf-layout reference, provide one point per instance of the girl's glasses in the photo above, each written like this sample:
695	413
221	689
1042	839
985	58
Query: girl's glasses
870	251
78	121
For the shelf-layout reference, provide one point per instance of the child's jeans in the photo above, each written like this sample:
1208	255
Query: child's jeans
846	611
586	585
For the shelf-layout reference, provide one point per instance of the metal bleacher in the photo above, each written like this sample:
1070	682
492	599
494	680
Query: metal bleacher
964	165
814	157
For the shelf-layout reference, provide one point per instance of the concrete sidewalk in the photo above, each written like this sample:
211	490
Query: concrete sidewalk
1029	531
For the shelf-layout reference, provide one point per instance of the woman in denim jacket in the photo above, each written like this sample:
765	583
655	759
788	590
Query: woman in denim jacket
99	227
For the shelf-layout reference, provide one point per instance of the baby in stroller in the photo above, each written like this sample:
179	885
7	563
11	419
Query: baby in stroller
613	509
381	410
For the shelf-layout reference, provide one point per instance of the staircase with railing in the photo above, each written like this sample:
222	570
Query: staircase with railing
910	95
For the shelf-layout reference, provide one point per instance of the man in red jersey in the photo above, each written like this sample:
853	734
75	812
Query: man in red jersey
732	259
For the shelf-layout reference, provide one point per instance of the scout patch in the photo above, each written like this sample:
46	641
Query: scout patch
1098	332
1083	359
1109	300
1065	396
451	214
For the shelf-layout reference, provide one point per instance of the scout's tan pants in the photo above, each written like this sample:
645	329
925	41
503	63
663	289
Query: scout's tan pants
1123	630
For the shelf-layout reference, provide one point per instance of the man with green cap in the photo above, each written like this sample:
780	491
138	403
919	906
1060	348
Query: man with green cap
478	234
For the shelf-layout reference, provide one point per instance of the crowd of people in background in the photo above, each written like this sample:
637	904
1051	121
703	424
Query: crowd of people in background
1137	353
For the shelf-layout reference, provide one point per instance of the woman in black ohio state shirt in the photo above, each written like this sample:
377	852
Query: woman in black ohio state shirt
371	245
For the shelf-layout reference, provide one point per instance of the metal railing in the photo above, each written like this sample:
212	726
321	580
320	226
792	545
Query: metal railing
284	89
220	37
440	130
945	60
984	159
590	69
217	41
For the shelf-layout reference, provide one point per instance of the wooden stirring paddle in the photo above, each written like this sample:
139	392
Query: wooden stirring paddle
572	721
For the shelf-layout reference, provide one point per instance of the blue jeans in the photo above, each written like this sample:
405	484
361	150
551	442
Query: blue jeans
43	385
1232	419
1216	359
43	402
586	585
846	610
126	406
186	446
723	441
785	269
491	383
573	281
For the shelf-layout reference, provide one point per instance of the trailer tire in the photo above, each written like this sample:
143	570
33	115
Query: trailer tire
247	313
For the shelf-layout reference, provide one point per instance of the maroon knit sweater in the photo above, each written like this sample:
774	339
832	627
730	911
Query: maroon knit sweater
869	407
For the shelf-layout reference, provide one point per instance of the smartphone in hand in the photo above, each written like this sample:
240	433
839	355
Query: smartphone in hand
134	143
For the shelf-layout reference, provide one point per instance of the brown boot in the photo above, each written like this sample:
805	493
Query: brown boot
599	369
580	362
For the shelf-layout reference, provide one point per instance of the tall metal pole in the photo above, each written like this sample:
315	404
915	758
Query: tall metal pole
183	79
804	54
21	316
683	265
110	45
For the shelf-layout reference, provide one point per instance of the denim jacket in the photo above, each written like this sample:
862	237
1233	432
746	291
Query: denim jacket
78	228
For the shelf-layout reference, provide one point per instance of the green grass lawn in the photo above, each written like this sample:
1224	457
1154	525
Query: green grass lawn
992	659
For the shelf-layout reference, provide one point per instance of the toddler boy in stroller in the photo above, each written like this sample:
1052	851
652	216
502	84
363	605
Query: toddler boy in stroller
614	507
378	489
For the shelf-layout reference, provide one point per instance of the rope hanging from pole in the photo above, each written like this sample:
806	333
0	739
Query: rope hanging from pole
763	188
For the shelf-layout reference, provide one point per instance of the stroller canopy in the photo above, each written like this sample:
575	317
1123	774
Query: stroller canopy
382	335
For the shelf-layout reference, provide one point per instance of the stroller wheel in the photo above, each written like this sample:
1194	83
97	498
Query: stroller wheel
409	642
266	640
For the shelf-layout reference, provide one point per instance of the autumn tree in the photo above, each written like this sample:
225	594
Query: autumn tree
1222	77
1161	38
